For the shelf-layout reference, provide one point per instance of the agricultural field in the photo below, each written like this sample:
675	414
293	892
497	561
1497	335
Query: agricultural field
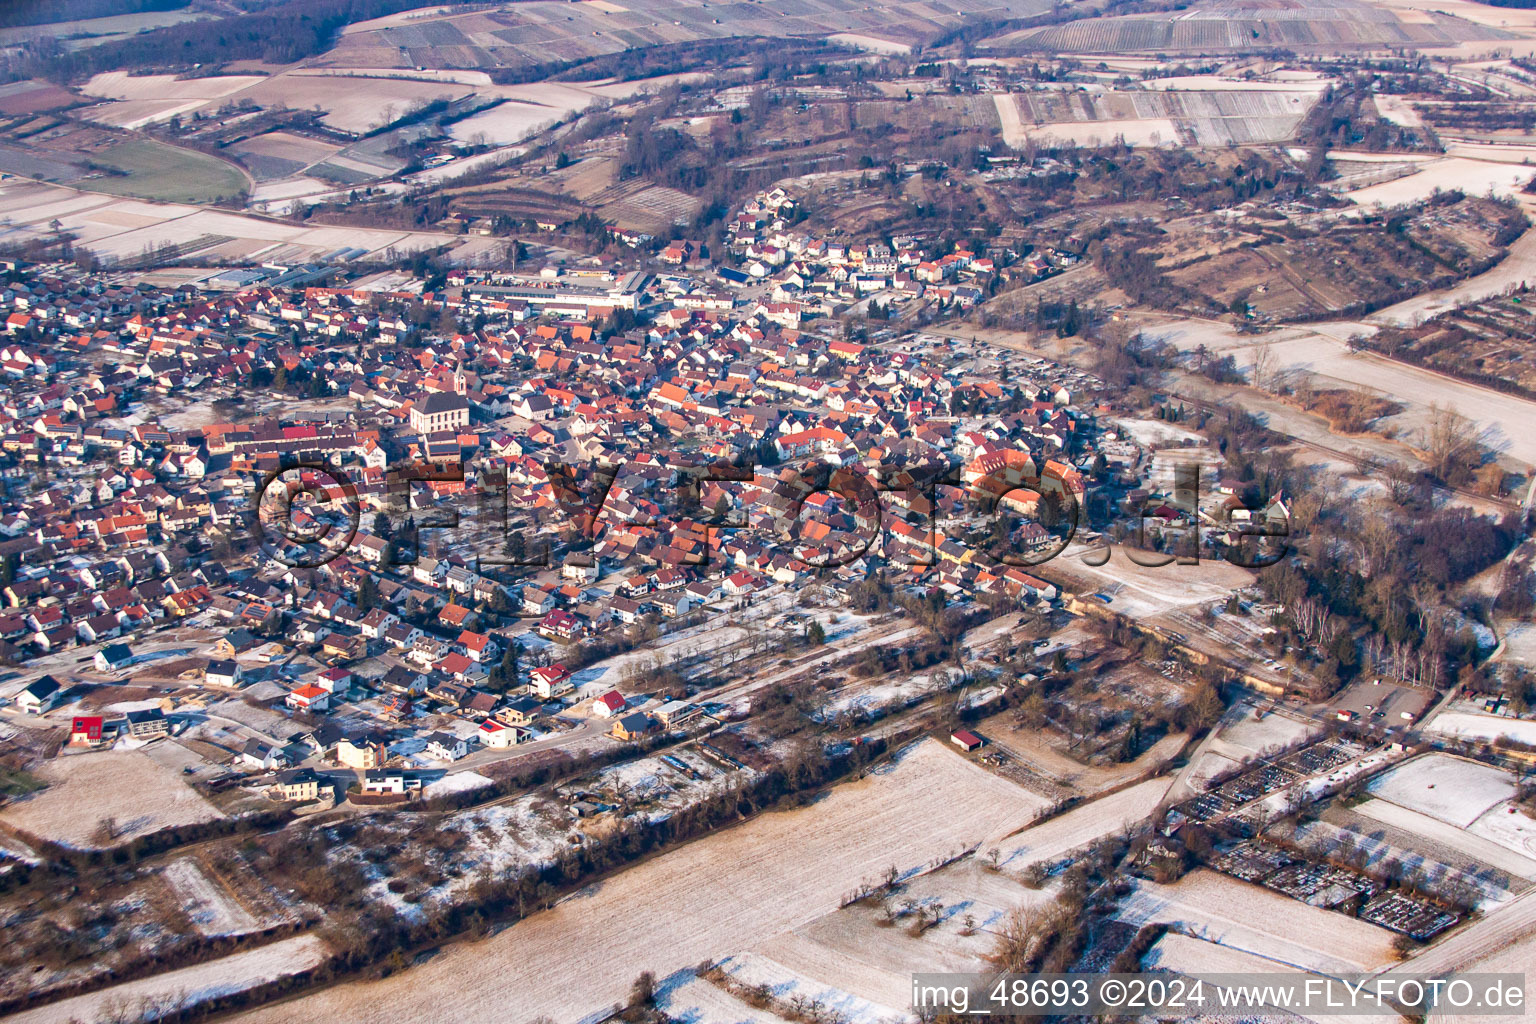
164	994
1348	267
1251	919
92	31
1471	725
133	101
166	173
1058	837
1217	27
541	32
1242	736
724	893
33	96
1141	592
125	229
1474	177
1454	790
280	154
106	798
1201	111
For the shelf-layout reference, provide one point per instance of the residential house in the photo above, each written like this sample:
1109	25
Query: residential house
113	658
442	746
609	704
551	681
635	726
298	784
223	672
146	724
39	695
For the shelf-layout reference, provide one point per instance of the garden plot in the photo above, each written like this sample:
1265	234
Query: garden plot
210	908
1252	919
127	787
707	898
1053	840
165	994
1455	791
1470	725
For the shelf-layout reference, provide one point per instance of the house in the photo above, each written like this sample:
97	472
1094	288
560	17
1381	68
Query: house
223	672
965	740
39	695
85	731
298	784
146	724
397	705
634	727
334	679
609	704
389	780
498	735
551	681
260	755
360	753
309	697
442	746
113	658
559	625
675	713
520	711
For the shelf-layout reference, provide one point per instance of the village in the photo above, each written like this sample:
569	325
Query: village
699	514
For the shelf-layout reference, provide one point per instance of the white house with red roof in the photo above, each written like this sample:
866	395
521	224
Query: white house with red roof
609	704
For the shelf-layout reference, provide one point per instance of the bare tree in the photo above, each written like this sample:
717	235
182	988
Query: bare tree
1263	368
1449	442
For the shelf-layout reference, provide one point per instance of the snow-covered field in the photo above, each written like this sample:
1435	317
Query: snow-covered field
706	899
754	969
1469	841
113	227
139	796
1506	824
458	782
1253	919
159	996
1474	177
211	909
1246	735
685	996
1054	839
1445	787
1483	727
